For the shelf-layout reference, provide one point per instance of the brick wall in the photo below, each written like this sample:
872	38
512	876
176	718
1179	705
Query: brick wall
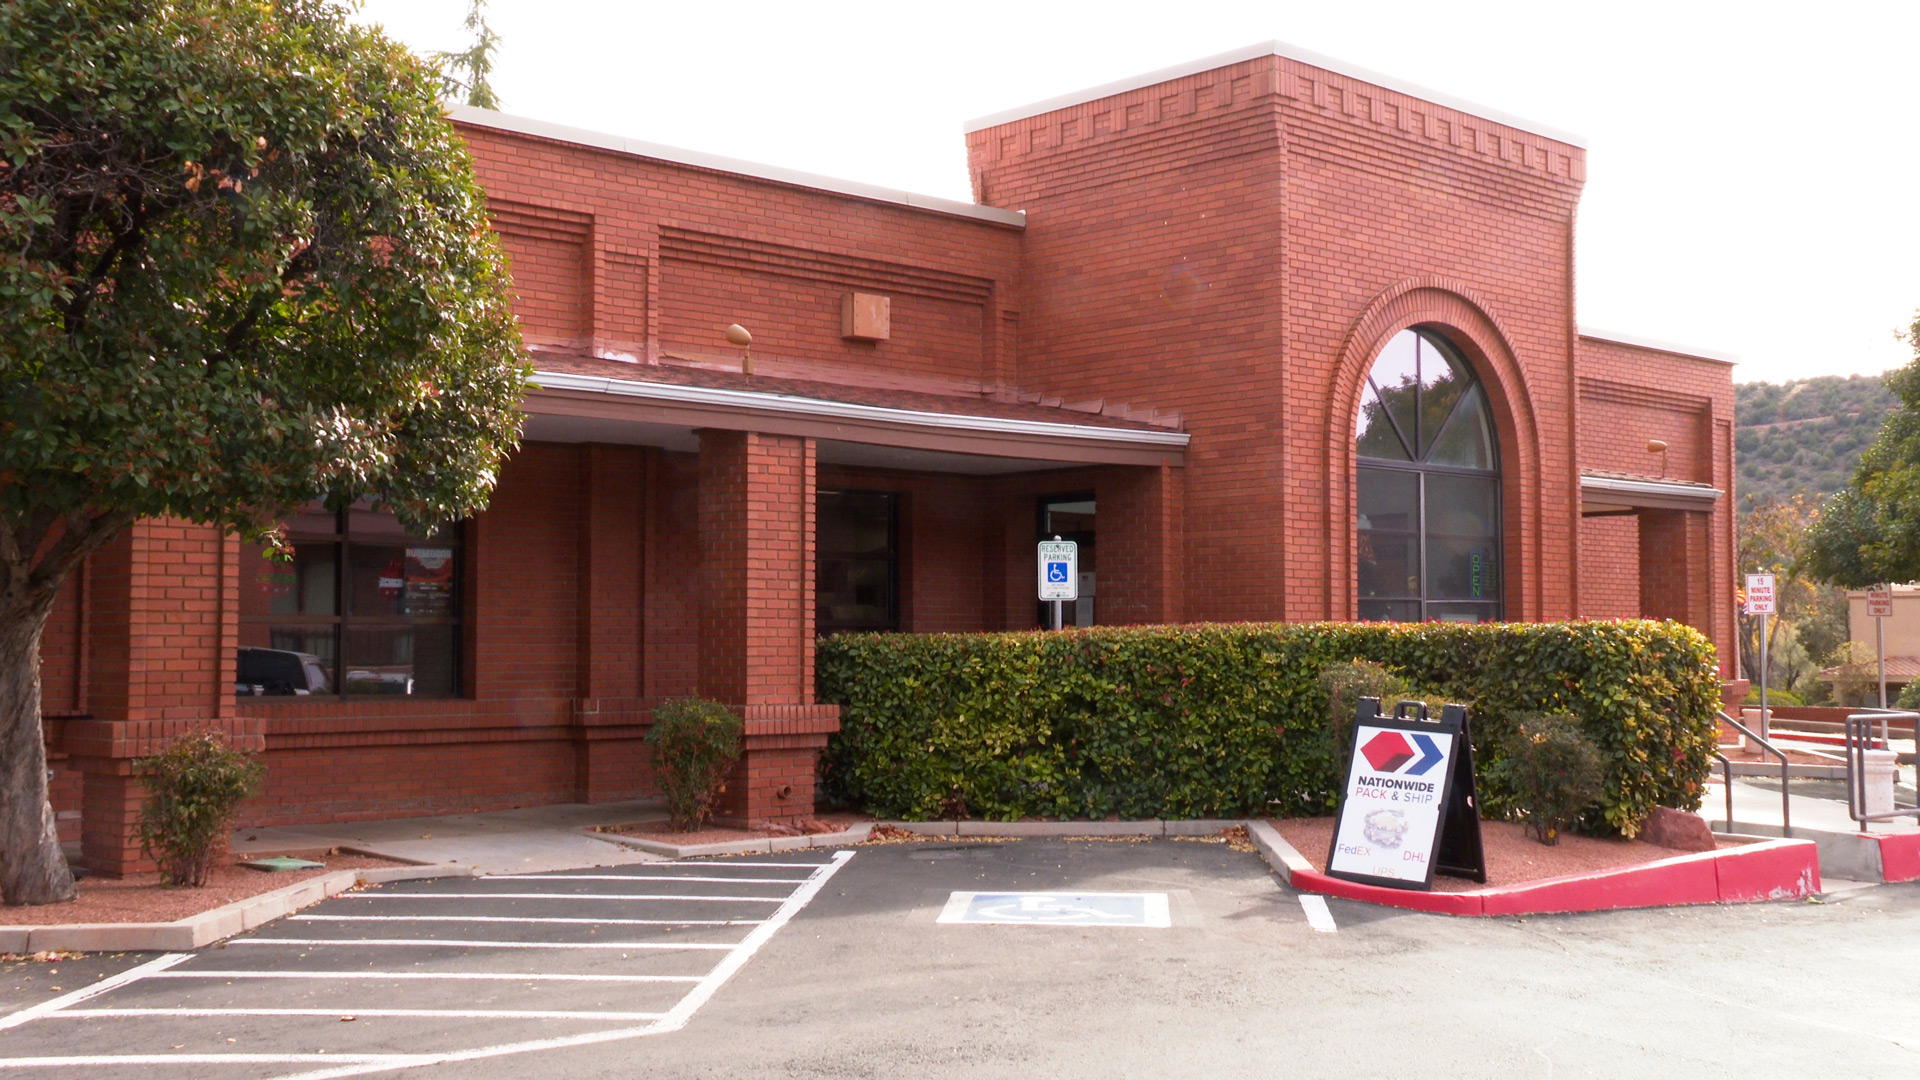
1238	244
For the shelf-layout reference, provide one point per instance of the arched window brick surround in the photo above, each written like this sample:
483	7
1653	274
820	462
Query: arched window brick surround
1454	312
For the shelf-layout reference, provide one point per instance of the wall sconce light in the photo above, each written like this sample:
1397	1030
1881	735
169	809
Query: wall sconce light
737	335
1659	446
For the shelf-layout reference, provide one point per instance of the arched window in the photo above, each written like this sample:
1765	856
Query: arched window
1428	486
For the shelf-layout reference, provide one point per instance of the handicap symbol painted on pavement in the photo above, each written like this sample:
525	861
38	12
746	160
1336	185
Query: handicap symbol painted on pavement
1059	909
1057	572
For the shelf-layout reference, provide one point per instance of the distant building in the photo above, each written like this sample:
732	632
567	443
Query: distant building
1272	337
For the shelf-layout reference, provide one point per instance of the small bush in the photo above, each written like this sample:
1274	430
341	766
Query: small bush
1553	771
1776	697
194	787
694	742
1345	684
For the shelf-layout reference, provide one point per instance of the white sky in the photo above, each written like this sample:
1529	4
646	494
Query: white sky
1753	168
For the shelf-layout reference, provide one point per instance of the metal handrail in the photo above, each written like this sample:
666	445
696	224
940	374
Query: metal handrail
1786	819
1859	740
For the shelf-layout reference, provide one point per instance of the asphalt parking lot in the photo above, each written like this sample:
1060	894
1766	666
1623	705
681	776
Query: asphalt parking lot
866	981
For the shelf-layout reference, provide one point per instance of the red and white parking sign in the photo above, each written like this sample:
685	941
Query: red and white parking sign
1760	594
1880	602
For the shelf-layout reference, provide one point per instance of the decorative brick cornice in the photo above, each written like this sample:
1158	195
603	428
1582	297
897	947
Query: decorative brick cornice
1302	88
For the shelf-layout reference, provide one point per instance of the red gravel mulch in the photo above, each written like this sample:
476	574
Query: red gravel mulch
142	899
1513	857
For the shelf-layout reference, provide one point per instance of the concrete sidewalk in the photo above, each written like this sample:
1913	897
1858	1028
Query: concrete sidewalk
534	839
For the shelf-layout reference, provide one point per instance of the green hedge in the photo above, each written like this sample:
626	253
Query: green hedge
1214	720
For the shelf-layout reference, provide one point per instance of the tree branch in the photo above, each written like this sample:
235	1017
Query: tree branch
82	536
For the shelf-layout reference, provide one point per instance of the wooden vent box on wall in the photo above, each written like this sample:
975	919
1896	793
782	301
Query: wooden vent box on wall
865	316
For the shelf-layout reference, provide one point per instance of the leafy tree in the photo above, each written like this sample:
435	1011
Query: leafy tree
1870	531
469	72
1811	626
243	264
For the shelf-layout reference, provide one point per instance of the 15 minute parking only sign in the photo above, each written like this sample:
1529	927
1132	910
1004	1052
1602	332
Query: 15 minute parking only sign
1407	810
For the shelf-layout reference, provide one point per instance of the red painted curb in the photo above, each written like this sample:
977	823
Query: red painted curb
1899	856
1768	870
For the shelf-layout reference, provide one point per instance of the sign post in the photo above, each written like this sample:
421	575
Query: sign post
1059	574
1760	602
1408	808
1880	607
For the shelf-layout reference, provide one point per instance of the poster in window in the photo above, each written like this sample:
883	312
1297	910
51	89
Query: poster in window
429	581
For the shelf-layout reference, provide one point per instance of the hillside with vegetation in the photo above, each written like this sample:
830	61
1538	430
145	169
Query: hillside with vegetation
1804	436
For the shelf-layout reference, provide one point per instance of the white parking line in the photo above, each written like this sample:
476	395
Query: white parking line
636	877
1318	916
468	1014
519	919
339	1065
701	898
463	944
500	976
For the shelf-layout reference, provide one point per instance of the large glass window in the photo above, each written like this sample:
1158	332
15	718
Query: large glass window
1428	487
856	543
358	607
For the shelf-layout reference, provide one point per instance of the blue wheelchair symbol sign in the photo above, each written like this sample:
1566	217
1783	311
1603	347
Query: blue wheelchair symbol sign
1057	572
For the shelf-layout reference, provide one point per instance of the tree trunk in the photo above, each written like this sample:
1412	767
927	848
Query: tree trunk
32	868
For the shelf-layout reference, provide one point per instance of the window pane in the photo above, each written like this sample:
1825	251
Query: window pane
1389	566
312	518
1473	613
1463	505
400	660
277	660
1389	499
377	578
1442	382
1468	439
302	584
856	562
1462	569
1071	516
1390	610
428	591
1373	435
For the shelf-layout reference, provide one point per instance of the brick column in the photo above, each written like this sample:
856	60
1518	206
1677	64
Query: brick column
1674	567
756	616
165	613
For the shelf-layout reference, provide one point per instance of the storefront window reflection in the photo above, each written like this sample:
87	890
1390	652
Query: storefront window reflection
1427	487
356	607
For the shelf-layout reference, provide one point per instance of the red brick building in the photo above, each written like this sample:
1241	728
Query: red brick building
1273	338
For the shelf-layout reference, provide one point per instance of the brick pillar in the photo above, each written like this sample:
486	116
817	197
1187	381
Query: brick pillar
1140	563
609	760
1674	568
756	616
165	607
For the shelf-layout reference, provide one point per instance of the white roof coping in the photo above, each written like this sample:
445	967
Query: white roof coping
1672	489
621	144
820	407
1272	48
1715	355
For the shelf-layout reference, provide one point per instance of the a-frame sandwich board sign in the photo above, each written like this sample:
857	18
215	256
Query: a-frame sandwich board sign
1408	806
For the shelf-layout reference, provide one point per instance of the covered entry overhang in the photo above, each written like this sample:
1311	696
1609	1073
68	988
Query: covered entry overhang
1614	495
987	439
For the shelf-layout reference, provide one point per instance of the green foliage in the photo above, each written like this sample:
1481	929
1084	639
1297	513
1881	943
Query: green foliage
1552	770
469	73
1206	720
1345	684
1805	436
1870	532
194	788
1775	697
243	264
693	742
1909	696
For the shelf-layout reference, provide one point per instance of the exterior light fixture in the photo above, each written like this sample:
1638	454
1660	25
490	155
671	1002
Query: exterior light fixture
737	335
1659	446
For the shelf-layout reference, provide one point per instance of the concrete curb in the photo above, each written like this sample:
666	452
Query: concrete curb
1036	829
1767	869
196	931
1883	857
762	846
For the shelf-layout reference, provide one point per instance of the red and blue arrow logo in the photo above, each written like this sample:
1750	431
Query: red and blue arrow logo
1388	751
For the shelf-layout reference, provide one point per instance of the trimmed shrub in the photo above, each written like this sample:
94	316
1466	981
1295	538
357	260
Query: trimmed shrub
1345	684
693	742
1553	772
1214	720
195	786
